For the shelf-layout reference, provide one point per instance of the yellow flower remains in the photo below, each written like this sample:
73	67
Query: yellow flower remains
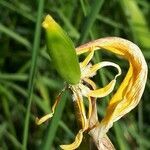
124	100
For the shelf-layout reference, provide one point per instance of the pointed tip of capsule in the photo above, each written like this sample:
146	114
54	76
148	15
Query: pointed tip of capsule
48	21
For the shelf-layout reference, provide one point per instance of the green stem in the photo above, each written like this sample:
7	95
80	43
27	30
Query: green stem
32	71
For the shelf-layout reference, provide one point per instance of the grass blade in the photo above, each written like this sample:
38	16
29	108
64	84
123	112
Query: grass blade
33	70
17	10
120	137
137	22
97	4
13	77
140	122
15	36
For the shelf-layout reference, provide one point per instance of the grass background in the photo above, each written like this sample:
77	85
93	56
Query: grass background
29	82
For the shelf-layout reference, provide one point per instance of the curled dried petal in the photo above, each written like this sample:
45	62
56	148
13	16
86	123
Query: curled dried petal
102	92
131	89
43	119
75	144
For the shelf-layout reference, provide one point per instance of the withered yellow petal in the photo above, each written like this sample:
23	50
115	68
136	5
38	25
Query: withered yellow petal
76	143
90	108
100	65
43	119
90	82
131	89
80	109
87	59
50	115
102	92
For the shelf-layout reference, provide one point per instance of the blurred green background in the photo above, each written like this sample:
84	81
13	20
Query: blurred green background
29	82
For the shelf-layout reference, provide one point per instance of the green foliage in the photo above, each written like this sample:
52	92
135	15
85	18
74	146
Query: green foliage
28	80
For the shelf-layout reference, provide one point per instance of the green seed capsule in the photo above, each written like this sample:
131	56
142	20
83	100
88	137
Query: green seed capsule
62	51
